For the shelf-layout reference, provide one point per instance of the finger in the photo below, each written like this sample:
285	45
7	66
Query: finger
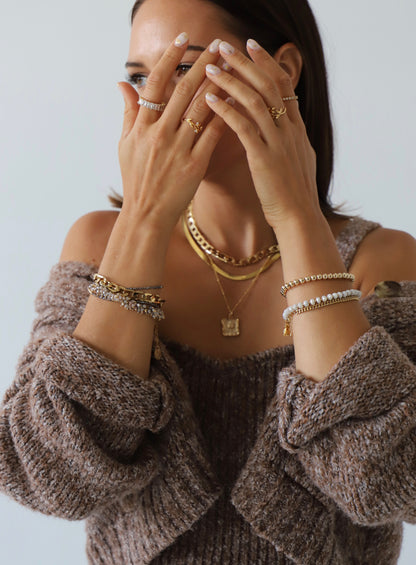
250	99
131	109
208	140
279	76
245	130
160	76
187	89
198	112
254	75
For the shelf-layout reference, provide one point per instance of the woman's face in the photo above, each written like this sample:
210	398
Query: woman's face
155	26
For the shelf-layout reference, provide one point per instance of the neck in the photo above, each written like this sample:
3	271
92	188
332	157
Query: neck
228	212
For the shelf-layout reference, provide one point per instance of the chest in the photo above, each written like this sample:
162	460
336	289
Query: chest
200	312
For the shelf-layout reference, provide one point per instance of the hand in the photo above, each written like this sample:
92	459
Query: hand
281	159
162	160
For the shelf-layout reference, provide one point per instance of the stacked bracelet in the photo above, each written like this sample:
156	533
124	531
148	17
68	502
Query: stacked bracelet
128	291
134	299
318	302
327	276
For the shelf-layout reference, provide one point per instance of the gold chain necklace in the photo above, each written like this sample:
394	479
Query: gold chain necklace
215	267
209	249
230	326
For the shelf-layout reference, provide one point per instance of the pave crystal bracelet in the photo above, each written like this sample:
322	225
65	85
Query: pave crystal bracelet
312	278
149	305
318	302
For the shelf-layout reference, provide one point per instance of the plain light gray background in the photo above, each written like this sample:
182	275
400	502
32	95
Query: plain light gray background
60	118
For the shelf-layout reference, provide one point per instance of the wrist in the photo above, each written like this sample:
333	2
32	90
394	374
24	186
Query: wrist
147	227
305	222
136	253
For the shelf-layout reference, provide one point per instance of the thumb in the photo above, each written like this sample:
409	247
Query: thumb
131	108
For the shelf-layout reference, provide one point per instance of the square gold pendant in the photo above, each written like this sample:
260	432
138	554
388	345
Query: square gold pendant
230	327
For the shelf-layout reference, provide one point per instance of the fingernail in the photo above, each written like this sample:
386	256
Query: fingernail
226	48
211	97
213	69
213	48
226	67
230	100
181	39
253	45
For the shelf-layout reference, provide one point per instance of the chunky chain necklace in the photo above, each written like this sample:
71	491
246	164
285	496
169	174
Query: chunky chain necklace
208	259
209	249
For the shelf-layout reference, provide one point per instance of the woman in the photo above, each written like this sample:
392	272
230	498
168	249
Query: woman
249	433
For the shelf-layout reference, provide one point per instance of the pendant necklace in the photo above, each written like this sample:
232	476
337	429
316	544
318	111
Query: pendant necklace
230	326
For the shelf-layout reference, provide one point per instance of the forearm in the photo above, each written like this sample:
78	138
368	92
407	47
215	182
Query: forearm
134	257
322	336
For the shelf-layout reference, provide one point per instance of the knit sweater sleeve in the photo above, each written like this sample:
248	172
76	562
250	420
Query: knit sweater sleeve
351	439
76	429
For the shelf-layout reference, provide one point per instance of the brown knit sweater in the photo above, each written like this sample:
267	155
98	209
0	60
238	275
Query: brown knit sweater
242	462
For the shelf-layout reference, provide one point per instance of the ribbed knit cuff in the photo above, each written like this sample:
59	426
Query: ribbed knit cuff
103	387
368	380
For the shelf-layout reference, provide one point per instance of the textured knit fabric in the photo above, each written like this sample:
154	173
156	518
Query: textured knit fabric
225	462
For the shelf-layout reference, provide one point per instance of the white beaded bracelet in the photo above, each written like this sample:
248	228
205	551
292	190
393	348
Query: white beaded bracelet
318	302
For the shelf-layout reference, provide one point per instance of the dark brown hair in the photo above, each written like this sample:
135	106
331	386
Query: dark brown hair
276	22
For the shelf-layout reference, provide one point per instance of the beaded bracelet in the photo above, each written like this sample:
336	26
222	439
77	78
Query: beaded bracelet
312	278
318	302
141	306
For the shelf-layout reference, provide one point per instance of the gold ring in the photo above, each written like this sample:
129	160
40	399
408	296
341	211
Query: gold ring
196	126
290	98
276	114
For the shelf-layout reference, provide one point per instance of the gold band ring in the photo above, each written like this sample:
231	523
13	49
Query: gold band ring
151	105
276	114
290	98
196	126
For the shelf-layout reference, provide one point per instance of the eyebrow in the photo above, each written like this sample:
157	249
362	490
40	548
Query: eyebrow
139	64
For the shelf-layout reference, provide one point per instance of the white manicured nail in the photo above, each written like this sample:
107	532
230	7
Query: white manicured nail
226	67
211	97
181	39
214	47
226	48
253	45
213	69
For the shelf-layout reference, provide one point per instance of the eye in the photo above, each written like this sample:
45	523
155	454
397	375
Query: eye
138	80
183	68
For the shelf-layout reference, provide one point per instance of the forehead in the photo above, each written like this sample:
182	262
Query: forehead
158	22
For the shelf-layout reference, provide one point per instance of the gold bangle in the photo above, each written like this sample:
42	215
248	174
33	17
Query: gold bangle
312	278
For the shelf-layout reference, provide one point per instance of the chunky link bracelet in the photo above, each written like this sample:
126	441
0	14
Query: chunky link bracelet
141	306
138	294
312	278
315	303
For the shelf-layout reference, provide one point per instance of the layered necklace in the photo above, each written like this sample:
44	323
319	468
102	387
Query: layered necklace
230	326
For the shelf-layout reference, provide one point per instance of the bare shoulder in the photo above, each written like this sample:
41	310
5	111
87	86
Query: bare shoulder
383	255
87	238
